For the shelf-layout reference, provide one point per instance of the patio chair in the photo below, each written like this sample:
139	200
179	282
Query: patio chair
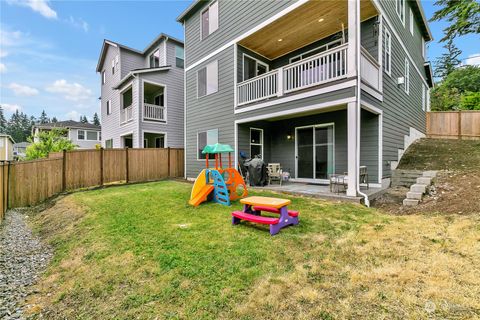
274	172
341	180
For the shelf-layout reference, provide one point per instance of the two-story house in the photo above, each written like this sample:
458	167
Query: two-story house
320	87
142	94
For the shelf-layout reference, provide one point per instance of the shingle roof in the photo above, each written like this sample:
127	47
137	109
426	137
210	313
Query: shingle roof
67	124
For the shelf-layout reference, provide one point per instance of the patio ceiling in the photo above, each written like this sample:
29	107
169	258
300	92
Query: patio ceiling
308	23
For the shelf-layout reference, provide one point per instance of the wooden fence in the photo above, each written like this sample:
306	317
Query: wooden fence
453	125
28	183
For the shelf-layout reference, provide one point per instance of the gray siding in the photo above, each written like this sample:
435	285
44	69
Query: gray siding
369	144
235	18
129	61
81	144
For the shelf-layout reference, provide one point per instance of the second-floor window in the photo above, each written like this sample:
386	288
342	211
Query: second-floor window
104	77
209	20
155	59
387	64
207	79
88	135
179	56
407	76
410	22
400	7
109	107
253	67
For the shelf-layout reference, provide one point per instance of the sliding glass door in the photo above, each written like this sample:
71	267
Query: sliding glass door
315	152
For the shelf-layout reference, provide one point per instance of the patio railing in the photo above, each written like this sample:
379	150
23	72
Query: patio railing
153	112
126	114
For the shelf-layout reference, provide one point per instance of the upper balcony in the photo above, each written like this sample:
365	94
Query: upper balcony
304	49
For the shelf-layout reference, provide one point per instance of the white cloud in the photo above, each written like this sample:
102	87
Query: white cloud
79	23
3	53
73	115
71	91
9	38
10	107
40	6
473	60
3	68
22	90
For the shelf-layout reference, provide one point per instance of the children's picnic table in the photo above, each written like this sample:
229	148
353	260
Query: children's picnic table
253	206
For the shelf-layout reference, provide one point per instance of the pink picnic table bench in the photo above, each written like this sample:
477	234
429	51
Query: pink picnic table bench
253	207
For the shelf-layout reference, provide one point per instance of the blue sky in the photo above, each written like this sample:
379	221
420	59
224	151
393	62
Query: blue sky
49	49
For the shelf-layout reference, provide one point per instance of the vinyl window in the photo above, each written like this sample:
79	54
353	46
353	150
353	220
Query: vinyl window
424	98
407	76
411	21
256	142
204	138
253	67
387	63
209	20
92	135
400	8
104	77
207	79
81	135
179	57
109	144
109	107
155	59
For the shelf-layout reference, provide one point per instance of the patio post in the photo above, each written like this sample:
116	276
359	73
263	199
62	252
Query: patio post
352	114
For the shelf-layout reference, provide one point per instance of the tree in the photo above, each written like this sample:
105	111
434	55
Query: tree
457	90
43	118
83	119
54	140
463	17
448	61
3	122
96	119
19	126
470	101
54	120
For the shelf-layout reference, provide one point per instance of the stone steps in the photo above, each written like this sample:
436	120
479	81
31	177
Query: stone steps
421	187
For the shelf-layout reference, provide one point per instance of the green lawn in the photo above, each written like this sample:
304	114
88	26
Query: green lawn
140	251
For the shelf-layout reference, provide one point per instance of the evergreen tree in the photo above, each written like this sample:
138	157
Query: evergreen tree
19	127
83	119
463	17
3	122
96	119
448	61
43	118
54	120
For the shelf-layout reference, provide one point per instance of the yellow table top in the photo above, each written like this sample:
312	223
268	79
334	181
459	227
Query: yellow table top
266	201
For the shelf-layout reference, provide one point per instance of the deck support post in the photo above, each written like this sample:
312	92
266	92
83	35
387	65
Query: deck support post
352	114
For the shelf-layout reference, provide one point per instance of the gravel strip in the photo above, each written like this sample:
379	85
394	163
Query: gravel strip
23	257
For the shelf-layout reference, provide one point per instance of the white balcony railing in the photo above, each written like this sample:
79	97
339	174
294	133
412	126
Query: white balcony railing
321	68
153	112
370	69
126	114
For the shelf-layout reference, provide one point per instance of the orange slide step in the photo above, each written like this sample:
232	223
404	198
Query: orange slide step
201	196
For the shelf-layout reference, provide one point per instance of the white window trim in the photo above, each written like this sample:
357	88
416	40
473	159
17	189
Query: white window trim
151	54
109	107
104	77
201	20
388	49
256	61
177	57
107	140
407	76
424	98
401	14
165	101
411	21
84	135
206	131
206	80
326	45
423	47
257	144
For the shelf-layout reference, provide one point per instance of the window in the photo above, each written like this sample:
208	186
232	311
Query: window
387	63
179	57
104	79
127	98
145	143
160	142
109	107
92	135
424	47
315	51
400	7
424	98
113	66
207	79
209	20
155	59
256	142
81	135
407	76
159	100
109	144
253	67
204	138
411	21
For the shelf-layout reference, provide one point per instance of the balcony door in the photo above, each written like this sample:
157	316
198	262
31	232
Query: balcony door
315	152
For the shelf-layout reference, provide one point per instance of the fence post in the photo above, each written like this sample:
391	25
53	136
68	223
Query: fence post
8	186
126	165
64	170
168	175
460	124
101	166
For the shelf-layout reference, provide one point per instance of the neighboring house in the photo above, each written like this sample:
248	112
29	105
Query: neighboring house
320	87
20	149
142	94
83	135
6	147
